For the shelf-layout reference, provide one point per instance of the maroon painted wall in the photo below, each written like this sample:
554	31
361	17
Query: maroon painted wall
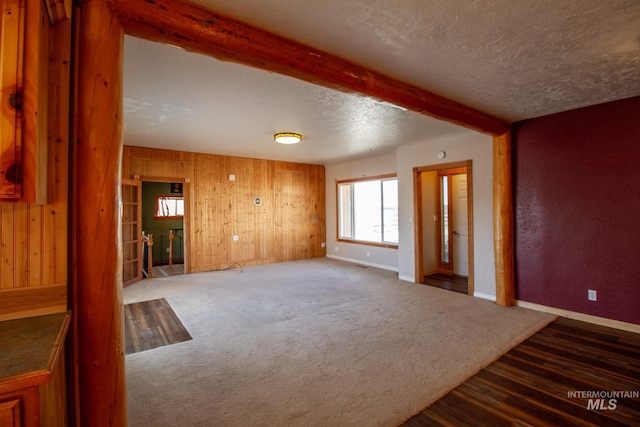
577	209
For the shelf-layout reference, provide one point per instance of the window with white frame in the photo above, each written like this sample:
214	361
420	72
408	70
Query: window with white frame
169	207
368	210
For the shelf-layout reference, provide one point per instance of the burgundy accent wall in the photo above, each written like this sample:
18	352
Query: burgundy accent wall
577	210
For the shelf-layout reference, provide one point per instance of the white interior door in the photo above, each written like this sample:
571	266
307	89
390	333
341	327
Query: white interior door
460	225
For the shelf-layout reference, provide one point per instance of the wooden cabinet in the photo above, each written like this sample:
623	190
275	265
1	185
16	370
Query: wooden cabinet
23	100
11	47
10	412
32	371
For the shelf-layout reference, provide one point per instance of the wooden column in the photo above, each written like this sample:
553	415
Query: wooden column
97	281
171	237
503	219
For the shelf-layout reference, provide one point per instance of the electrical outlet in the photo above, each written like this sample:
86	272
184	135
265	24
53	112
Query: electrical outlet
592	295
167	250
235	238
368	254
335	248
322	245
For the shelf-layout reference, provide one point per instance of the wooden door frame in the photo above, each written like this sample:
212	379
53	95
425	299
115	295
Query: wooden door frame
186	219
96	275
138	185
417	206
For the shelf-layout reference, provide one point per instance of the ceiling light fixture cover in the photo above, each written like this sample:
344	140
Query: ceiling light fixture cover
287	137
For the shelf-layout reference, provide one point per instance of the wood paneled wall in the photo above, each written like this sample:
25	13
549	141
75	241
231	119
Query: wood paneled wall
288	225
33	238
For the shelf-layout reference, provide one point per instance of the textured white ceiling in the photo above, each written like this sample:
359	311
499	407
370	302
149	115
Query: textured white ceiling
183	101
512	59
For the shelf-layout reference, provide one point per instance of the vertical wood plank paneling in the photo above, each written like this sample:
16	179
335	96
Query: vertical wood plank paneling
35	245
300	217
238	210
202	227
235	207
33	237
55	214
220	212
221	208
21	247
7	244
264	220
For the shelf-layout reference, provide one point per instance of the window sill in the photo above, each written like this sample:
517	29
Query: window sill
366	243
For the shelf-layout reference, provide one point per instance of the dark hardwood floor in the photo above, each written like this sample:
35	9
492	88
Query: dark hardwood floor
151	324
453	283
564	375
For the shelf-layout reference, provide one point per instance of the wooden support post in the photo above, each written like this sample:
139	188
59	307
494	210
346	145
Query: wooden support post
143	241
97	153
503	219
200	30
171	237
150	255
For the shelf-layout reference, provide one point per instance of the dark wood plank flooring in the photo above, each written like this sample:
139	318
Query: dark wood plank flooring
540	382
151	324
454	283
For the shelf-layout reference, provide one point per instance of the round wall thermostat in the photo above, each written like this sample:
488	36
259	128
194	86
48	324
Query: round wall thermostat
257	201
442	155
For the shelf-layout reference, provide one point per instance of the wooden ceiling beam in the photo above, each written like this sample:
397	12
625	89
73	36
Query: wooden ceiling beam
197	29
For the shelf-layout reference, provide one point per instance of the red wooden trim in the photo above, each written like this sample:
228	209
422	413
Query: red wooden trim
201	30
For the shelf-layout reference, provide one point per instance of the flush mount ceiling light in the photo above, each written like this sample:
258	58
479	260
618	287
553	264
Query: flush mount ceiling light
287	138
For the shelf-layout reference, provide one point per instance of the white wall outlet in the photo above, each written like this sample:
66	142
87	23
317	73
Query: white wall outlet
235	238
592	295
322	245
368	254
232	177
167	250
335	248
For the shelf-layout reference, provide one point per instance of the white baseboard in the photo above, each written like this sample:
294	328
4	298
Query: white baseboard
602	321
407	278
485	296
369	264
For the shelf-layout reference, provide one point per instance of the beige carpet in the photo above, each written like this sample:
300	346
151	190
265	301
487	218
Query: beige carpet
312	343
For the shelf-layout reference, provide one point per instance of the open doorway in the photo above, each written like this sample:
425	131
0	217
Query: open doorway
443	226
163	226
154	224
